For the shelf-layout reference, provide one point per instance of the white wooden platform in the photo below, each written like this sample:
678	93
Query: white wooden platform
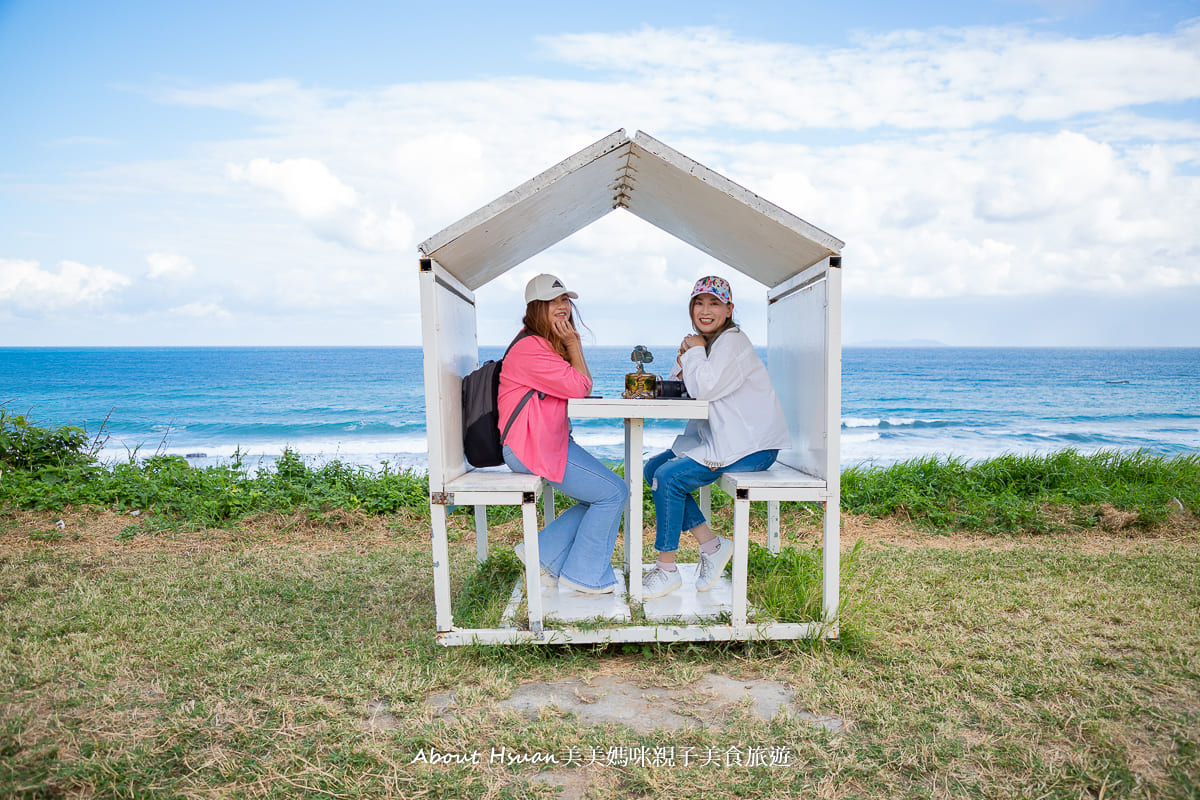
566	605
684	605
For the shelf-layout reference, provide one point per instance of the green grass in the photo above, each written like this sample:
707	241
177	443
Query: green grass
1021	493
786	586
243	665
486	590
244	635
49	469
183	496
783	587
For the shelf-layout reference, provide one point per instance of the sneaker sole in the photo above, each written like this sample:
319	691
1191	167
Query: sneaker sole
575	587
548	580
651	596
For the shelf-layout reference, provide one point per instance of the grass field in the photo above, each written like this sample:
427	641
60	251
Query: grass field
288	656
1027	626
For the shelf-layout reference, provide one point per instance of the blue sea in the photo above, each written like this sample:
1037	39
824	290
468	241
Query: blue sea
365	406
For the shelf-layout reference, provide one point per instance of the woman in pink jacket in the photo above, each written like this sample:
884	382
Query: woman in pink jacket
576	548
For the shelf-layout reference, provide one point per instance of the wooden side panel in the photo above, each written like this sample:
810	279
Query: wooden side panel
451	351
796	359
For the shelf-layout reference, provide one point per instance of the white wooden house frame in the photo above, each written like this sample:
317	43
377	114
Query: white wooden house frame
798	263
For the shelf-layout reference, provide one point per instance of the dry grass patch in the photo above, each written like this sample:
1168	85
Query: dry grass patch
288	659
1181	528
103	531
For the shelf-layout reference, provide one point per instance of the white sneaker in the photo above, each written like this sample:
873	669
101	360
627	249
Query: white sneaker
711	566
567	583
658	582
547	578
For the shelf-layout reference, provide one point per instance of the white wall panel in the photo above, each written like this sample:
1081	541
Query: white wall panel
796	342
451	350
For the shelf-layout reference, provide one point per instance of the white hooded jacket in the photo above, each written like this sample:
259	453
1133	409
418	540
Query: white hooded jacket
744	415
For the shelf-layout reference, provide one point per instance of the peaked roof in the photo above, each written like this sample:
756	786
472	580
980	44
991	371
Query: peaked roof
651	181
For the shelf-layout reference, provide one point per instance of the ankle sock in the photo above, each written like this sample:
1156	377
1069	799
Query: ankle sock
665	567
711	546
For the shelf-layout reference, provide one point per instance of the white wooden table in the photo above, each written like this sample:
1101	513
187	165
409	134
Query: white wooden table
635	413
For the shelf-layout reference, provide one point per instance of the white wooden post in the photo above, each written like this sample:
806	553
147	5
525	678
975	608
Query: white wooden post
533	566
481	534
441	568
773	526
547	504
741	555
633	511
831	543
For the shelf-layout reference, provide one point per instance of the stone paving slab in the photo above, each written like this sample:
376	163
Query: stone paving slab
608	699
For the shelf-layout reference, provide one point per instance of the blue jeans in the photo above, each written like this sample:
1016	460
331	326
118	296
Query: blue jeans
579	543
672	480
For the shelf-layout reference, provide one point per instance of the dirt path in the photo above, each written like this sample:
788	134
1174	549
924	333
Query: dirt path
101	531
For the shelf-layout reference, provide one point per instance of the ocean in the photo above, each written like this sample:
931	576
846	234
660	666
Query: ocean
365	405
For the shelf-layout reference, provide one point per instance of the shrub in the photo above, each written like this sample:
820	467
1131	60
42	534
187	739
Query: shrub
26	446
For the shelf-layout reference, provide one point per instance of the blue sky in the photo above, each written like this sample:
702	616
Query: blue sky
1003	173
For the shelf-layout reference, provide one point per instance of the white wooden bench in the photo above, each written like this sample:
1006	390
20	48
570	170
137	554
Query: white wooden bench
500	486
496	486
773	485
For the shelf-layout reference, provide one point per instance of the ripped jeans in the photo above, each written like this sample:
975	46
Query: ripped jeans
672	480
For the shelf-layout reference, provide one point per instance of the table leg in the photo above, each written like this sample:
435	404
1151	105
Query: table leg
633	515
628	500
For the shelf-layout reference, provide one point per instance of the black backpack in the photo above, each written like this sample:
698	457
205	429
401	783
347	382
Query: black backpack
483	444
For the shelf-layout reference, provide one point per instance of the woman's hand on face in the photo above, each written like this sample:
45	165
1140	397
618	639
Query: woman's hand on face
564	329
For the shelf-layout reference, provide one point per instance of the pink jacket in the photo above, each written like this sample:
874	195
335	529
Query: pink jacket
539	435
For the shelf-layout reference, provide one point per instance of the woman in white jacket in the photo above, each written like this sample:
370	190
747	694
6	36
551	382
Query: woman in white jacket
744	432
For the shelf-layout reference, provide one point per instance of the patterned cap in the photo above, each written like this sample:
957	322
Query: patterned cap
717	287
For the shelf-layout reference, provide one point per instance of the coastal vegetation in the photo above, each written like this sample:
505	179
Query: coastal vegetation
1029	493
53	468
1021	627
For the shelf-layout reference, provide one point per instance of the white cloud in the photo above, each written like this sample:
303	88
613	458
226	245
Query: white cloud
992	213
1044	176
392	232
25	284
201	310
980	162
305	184
986	211
423	162
168	265
280	98
949	78
332	209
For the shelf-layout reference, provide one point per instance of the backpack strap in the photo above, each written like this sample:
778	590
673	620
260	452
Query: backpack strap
517	411
541	395
524	332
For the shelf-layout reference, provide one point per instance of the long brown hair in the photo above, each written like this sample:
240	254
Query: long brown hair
537	320
712	337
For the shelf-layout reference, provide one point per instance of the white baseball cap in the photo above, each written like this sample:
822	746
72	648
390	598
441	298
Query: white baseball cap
546	287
